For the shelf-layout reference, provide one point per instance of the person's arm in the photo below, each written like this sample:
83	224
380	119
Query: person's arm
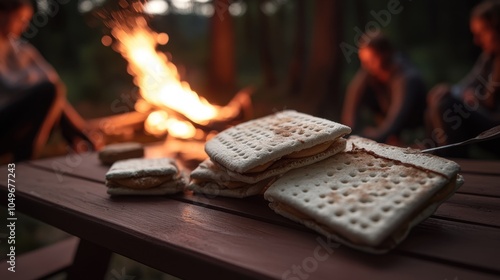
471	79
353	99
492	101
487	90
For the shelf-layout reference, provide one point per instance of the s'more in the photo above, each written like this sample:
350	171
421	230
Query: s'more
368	197
245	159
120	151
152	176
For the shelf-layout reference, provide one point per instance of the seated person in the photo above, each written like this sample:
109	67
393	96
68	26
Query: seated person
464	110
32	96
386	96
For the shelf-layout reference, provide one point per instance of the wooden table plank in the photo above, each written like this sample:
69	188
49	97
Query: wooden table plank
127	226
467	207
479	184
88	166
490	167
237	244
454	241
91	169
460	207
252	207
471	208
476	238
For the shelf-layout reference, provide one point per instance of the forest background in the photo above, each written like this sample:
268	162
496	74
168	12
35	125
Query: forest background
295	53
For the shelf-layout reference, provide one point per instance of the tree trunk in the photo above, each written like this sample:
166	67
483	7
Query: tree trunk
320	95
222	53
297	66
266	55
360	8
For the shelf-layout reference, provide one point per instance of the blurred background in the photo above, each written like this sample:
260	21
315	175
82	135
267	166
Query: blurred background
295	53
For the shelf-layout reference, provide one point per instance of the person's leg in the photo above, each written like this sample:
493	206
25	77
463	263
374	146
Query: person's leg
72	124
443	124
28	119
434	113
50	121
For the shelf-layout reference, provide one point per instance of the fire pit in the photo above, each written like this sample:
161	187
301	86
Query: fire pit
169	106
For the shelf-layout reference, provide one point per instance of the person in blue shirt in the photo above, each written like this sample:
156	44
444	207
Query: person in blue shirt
386	96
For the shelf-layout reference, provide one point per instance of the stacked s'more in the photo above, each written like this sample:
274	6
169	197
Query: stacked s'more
357	192
145	176
367	197
245	159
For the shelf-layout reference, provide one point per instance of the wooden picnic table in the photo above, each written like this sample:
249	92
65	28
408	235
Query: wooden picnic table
199	237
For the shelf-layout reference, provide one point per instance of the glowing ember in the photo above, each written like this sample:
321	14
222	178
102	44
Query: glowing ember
156	123
159	81
181	129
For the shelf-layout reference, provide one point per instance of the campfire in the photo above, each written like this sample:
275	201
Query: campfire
171	106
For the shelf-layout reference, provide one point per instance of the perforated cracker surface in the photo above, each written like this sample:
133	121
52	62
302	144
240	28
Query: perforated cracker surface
259	141
133	168
357	195
414	157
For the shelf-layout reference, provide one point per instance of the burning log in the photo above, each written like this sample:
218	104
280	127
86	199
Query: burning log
238	110
131	126
120	128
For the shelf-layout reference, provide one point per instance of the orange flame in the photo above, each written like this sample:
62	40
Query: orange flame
159	82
